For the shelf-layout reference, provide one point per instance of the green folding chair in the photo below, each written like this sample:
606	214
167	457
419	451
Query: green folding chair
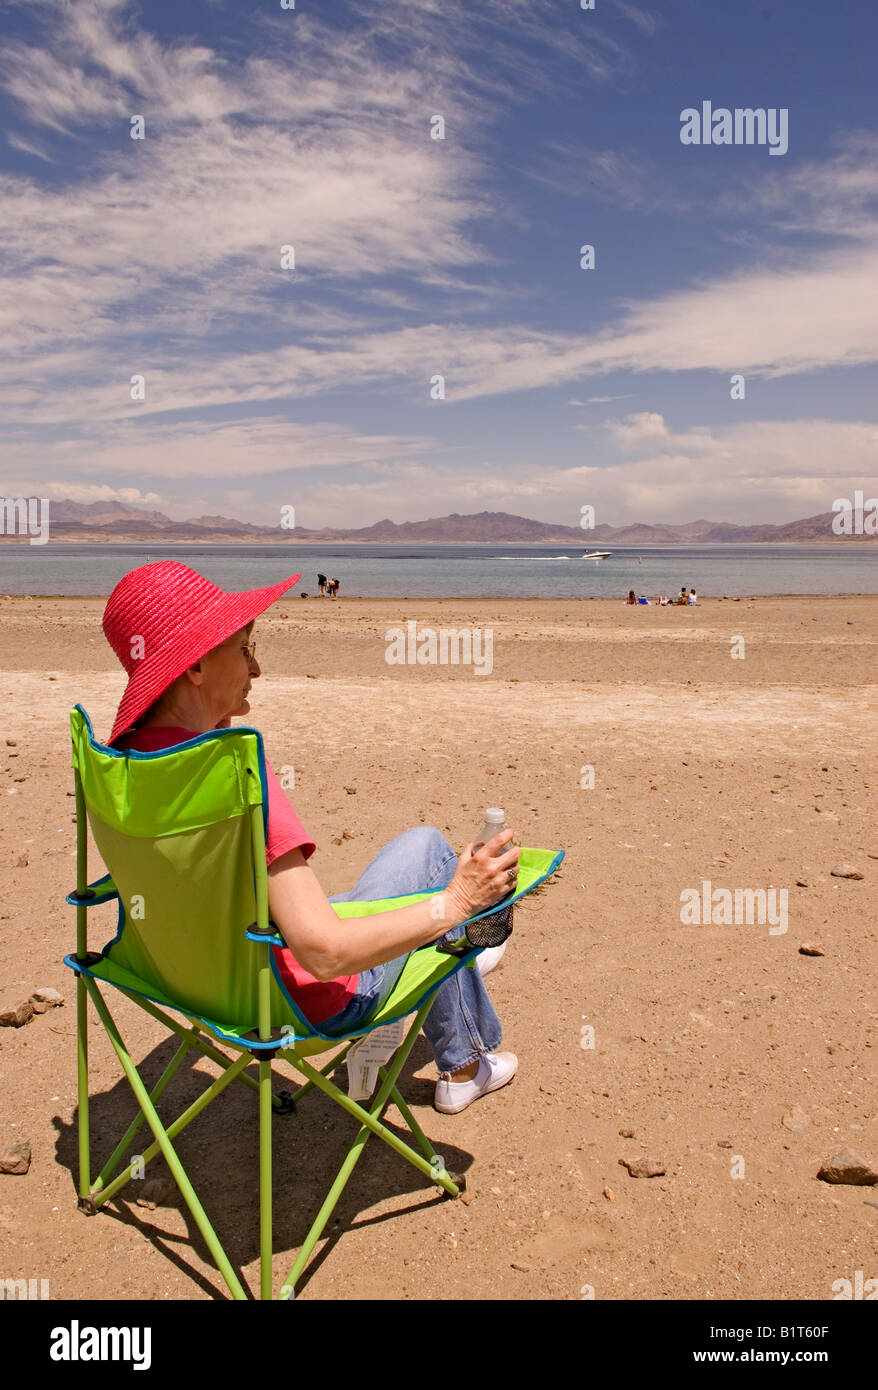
182	833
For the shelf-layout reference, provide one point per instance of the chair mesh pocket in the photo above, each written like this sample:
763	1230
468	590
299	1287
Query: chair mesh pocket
487	931
492	930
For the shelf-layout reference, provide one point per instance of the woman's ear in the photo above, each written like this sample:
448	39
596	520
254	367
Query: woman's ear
195	672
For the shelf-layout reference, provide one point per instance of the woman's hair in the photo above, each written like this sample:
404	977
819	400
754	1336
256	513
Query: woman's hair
148	713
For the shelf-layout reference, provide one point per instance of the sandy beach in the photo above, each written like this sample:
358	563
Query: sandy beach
722	1052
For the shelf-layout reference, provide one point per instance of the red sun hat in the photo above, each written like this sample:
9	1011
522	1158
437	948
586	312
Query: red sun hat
162	618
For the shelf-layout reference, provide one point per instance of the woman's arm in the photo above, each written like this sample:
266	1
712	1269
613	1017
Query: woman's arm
328	946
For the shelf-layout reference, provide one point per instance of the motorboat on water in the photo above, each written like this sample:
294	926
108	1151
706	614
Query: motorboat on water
596	554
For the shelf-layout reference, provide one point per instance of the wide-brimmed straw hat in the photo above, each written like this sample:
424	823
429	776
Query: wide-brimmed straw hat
162	618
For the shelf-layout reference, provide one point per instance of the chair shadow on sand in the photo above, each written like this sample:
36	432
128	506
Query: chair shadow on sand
221	1147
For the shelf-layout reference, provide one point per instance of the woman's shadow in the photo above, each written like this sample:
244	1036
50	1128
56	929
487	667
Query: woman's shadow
221	1147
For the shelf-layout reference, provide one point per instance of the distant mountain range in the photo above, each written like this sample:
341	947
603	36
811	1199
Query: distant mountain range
114	521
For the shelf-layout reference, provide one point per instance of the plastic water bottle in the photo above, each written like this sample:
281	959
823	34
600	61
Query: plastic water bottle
495	821
489	930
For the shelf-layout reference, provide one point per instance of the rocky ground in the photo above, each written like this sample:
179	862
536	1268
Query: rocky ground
722	1059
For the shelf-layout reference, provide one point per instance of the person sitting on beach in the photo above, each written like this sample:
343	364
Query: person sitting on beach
663	600
321	583
683	598
631	597
197	672
693	597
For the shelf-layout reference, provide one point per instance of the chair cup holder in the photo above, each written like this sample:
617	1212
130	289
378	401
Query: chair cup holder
492	930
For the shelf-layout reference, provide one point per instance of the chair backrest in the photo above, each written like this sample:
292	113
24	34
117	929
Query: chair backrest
181	831
175	830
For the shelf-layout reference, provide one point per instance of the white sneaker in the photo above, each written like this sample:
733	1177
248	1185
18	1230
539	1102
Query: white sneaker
490	958
496	1069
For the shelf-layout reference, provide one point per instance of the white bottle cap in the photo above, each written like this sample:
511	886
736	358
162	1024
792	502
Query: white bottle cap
494	815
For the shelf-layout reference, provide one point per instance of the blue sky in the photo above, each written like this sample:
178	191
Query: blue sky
414	258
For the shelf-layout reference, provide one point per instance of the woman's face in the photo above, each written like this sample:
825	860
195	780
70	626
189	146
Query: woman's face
229	672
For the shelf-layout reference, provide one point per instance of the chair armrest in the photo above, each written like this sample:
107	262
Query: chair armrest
103	890
270	938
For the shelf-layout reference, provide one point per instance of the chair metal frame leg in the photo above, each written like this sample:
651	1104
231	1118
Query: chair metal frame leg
95	1195
191	1038
163	1139
370	1124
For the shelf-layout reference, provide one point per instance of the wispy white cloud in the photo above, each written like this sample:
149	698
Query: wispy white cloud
764	322
835	197
581	172
322	144
60	318
602	400
645	21
255	447
19	142
534	48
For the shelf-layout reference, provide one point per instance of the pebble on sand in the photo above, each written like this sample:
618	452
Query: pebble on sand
15	1158
795	1119
846	871
811	948
847	1167
643	1167
15	1013
46	998
155	1192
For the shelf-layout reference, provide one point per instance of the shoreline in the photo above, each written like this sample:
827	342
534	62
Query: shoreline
483	598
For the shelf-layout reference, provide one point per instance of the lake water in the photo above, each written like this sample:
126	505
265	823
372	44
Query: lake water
458	571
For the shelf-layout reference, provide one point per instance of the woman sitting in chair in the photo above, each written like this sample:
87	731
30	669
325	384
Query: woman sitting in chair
190	658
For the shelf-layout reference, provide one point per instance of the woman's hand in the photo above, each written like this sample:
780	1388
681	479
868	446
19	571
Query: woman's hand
481	880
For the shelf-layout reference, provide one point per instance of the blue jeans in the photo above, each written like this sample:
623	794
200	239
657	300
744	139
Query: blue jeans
461	1024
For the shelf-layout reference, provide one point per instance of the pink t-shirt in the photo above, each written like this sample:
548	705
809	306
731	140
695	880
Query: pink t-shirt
317	999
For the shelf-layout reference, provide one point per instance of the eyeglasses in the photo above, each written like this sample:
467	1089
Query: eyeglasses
248	648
